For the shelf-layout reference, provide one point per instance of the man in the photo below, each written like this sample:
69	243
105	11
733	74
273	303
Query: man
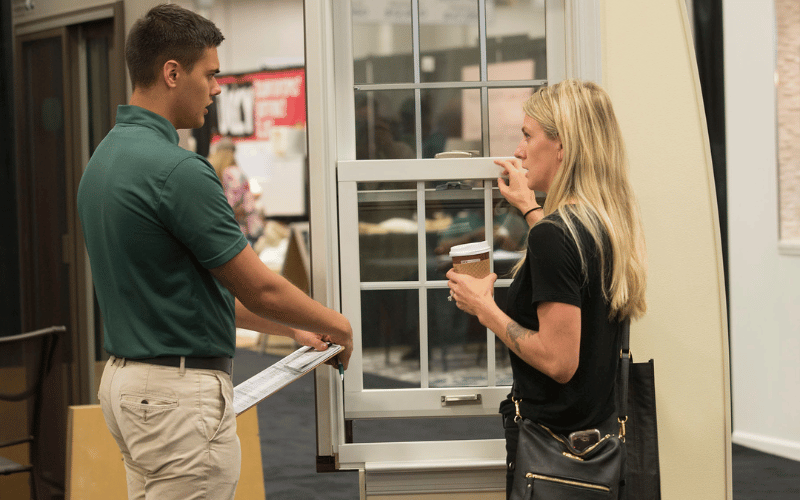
174	274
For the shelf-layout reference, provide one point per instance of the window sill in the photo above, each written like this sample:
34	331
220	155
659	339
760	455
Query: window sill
789	247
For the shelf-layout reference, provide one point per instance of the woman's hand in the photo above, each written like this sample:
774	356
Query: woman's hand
516	191
472	295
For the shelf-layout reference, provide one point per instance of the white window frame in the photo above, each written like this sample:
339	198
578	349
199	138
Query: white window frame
331	128
424	401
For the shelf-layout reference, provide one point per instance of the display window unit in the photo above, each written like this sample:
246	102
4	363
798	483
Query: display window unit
409	104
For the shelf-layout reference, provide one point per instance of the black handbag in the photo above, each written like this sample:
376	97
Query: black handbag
547	466
642	472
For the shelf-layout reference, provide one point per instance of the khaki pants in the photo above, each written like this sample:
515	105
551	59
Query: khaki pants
176	430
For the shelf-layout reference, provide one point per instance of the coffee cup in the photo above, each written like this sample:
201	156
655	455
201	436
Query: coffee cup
471	259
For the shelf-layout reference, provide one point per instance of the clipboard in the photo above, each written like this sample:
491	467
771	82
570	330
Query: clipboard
274	378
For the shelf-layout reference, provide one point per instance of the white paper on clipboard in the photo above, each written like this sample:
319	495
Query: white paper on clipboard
269	381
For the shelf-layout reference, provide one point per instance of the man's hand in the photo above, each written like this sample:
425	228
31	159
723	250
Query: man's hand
310	339
344	339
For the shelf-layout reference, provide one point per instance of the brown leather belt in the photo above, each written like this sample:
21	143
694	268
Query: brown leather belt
221	364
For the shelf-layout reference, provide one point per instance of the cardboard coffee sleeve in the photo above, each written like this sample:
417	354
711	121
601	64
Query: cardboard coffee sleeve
471	259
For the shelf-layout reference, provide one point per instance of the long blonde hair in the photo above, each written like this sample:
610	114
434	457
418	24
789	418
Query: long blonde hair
221	158
591	185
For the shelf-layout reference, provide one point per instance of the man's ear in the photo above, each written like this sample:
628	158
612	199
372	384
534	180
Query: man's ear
170	73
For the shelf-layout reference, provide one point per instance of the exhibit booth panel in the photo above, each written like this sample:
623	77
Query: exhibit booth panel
649	69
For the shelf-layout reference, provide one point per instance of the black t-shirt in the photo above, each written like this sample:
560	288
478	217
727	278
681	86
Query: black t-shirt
552	273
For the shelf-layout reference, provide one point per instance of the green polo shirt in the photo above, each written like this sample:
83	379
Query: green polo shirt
155	220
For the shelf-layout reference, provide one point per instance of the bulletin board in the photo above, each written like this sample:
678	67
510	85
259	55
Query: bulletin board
264	113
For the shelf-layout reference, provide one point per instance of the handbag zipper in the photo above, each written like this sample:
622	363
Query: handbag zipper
568	482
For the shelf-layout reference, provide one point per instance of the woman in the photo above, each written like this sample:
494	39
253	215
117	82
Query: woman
584	269
237	189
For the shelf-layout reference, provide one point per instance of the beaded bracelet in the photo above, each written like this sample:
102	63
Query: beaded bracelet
529	211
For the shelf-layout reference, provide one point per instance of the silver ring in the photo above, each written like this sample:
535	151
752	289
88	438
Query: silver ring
449	298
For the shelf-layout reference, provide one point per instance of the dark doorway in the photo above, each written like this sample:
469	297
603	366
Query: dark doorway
43	225
68	83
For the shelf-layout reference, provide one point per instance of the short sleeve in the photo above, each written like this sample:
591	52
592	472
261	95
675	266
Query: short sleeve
555	265
194	209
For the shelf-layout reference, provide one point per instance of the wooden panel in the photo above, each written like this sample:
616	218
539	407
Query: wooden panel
94	463
251	481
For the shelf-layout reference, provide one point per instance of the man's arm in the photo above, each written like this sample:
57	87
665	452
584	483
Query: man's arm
267	295
245	318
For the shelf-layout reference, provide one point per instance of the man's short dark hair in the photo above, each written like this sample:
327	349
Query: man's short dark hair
167	32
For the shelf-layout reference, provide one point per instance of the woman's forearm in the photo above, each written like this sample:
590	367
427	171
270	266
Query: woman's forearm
550	358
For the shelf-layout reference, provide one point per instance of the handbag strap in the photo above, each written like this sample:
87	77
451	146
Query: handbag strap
622	393
624	371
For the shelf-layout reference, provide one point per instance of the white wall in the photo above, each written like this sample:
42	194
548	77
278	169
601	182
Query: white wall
259	33
764	285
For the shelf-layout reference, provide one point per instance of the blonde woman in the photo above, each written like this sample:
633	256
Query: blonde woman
584	269
236	187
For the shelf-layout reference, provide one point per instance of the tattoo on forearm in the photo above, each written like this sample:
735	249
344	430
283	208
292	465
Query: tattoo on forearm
515	332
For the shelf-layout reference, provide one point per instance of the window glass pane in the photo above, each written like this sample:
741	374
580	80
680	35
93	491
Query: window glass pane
390	339
382	50
503	375
510	234
505	119
385	125
454	213
451	121
387	227
515	40
456	340
448	40
456	344
457	348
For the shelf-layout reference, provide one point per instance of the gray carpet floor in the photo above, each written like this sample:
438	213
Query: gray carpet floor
288	447
761	476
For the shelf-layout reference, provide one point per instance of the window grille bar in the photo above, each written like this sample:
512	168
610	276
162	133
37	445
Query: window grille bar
484	77
415	47
451	85
423	291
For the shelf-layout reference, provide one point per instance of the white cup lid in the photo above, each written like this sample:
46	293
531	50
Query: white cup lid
476	248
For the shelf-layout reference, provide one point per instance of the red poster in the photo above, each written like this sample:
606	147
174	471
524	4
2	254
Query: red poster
251	104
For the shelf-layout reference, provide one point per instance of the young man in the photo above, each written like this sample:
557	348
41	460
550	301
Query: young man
174	275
